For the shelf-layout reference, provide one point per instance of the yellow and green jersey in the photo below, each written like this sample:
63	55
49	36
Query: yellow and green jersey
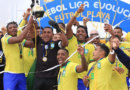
76	58
29	55
14	63
67	77
101	74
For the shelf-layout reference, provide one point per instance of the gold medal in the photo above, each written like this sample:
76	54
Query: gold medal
44	59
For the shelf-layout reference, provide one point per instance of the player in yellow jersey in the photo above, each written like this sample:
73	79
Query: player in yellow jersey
118	32
100	72
29	55
127	37
14	77
119	82
75	40
68	73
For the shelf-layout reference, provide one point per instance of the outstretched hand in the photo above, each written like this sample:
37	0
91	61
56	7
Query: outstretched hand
80	50
115	43
81	8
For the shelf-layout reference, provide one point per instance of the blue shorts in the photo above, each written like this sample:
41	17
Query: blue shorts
81	85
127	79
14	81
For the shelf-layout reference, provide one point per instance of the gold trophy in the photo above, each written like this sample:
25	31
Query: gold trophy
37	10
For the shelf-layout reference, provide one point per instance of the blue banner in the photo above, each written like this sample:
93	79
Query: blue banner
117	11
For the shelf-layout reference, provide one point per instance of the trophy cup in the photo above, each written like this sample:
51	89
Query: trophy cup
37	10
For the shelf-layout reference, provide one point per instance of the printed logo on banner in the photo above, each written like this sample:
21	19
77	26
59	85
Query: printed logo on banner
117	14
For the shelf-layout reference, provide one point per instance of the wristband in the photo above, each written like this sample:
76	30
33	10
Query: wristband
112	52
76	14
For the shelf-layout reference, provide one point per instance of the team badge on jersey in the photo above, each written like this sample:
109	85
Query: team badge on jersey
86	51
52	45
122	48
99	65
63	74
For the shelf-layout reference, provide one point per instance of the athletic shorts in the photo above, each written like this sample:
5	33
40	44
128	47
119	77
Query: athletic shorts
81	85
14	81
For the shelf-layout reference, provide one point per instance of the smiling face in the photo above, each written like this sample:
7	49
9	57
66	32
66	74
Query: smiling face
96	41
81	34
12	30
62	55
47	34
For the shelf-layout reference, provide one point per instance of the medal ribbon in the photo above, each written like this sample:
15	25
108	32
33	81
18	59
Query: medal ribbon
31	51
20	49
45	47
61	73
92	67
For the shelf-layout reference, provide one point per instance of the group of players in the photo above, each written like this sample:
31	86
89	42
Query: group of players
94	65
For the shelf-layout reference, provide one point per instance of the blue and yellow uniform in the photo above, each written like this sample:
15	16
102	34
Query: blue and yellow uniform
14	77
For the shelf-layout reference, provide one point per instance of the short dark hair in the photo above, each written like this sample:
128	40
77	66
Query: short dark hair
62	24
48	27
40	28
12	23
118	28
105	49
80	26
65	50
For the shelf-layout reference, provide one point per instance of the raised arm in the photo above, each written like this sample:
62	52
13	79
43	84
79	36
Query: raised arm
20	38
64	39
120	54
84	65
23	22
69	31
108	28
85	20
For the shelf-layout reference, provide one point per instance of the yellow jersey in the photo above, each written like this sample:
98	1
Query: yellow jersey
122	46
29	55
76	58
14	64
100	76
67	77
128	37
117	83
